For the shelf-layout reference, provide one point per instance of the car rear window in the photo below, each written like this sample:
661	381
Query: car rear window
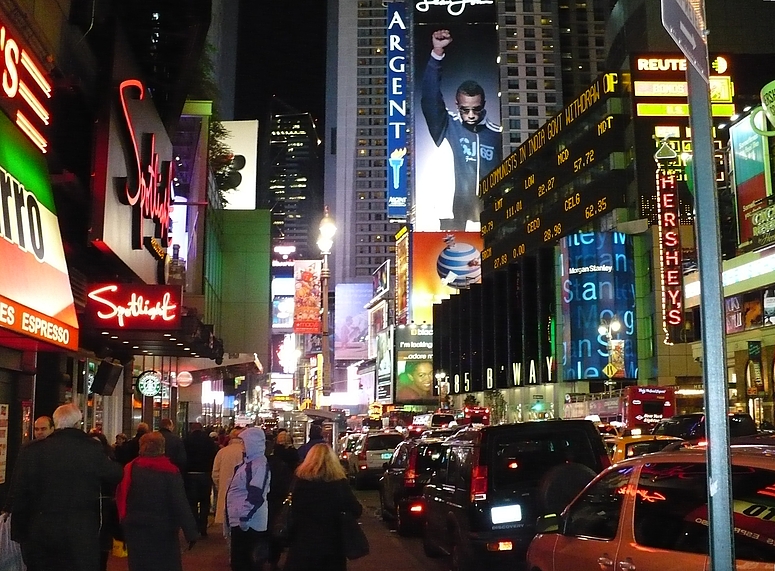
428	457
383	441
520	460
680	427
647	447
441	419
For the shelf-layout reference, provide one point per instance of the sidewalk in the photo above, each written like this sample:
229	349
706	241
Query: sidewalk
208	554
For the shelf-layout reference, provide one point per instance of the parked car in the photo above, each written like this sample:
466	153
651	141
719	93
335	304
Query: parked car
492	482
691	427
346	447
629	446
402	483
370	454
651	512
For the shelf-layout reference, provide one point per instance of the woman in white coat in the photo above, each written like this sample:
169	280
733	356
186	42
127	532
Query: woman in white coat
227	459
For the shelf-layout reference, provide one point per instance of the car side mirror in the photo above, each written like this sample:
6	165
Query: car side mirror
548	523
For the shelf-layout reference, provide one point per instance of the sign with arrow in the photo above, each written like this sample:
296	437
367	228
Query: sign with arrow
684	24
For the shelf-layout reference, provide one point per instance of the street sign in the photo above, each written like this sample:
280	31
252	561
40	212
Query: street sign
610	370
684	24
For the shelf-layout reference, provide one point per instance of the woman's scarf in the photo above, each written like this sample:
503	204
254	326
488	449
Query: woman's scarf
157	463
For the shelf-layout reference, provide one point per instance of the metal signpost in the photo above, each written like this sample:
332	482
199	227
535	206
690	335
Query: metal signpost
683	21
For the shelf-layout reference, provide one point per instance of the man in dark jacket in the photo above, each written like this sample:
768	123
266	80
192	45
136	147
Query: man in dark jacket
174	448
315	437
200	455
56	496
131	448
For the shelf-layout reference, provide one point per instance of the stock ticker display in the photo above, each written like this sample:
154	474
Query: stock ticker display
570	171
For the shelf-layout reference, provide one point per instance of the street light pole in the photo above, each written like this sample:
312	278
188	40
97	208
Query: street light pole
608	328
325	243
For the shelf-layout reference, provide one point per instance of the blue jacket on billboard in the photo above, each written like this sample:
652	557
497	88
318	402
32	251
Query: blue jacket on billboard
476	146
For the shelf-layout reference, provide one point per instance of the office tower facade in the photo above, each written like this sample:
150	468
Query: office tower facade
549	50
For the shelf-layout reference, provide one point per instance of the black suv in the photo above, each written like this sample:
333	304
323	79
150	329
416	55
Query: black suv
493	482
691	427
402	483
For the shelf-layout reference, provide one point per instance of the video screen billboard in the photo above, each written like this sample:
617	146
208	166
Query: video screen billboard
351	322
414	365
457	133
442	262
597	278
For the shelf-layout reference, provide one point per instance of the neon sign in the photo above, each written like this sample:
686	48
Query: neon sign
670	255
129	306
397	163
24	86
149	189
643	494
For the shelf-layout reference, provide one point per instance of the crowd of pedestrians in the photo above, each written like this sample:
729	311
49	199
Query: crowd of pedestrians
73	495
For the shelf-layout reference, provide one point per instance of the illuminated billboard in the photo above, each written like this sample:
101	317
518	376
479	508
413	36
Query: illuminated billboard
398	163
402	277
597	277
442	262
307	297
414	365
242	139
384	392
351	323
457	134
752	178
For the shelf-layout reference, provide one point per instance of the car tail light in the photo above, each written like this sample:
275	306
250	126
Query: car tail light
410	475
500	546
416	508
478	479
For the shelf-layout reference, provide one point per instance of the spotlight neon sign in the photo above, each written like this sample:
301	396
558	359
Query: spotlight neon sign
670	255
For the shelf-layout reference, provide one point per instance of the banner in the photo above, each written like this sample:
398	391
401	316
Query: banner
457	133
398	48
307	296
351	325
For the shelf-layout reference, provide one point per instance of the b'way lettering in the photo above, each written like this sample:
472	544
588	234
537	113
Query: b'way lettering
20	216
516	372
136	306
454	7
149	189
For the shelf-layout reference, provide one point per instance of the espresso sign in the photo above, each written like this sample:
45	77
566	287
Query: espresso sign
133	307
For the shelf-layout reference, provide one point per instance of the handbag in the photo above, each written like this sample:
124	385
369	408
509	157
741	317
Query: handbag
10	551
356	544
282	526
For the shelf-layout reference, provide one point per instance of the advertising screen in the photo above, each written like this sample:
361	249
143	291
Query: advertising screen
457	134
242	138
402	277
598	287
385	366
442	262
351	323
750	157
414	365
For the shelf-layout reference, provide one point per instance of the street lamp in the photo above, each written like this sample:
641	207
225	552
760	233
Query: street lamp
325	242
608	328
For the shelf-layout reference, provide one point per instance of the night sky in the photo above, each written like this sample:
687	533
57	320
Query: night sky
282	52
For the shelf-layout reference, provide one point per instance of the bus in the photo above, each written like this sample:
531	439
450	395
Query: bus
640	406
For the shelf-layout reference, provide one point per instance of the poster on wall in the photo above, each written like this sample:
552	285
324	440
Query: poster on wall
351	325
442	262
307	296
378	320
597	278
385	367
457	134
3	441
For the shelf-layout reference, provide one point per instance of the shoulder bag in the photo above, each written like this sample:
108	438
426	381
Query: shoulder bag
356	544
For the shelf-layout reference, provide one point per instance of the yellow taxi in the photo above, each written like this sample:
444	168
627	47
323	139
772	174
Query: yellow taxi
624	447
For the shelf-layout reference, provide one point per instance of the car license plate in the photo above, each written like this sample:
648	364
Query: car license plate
386	455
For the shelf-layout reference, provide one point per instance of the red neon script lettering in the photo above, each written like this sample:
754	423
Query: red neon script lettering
137	306
154	203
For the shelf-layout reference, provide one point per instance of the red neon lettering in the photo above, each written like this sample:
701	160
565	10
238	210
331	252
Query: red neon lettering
674	317
672	239
672	258
645	495
143	189
137	306
675	296
669	220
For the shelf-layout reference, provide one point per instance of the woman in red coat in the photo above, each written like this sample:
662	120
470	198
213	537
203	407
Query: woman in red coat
152	507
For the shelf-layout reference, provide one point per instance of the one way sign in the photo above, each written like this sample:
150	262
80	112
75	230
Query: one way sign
683	22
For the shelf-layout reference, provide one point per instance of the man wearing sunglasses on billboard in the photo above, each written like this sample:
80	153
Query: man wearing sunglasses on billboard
475	141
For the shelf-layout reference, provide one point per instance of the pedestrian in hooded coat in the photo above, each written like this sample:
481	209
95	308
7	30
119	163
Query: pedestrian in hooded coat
247	511
227	459
152	507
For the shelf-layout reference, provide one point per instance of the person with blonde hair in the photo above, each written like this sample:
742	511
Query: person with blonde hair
226	460
152	507
320	492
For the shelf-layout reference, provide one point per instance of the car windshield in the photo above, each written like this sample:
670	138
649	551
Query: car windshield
677	426
383	441
526	459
